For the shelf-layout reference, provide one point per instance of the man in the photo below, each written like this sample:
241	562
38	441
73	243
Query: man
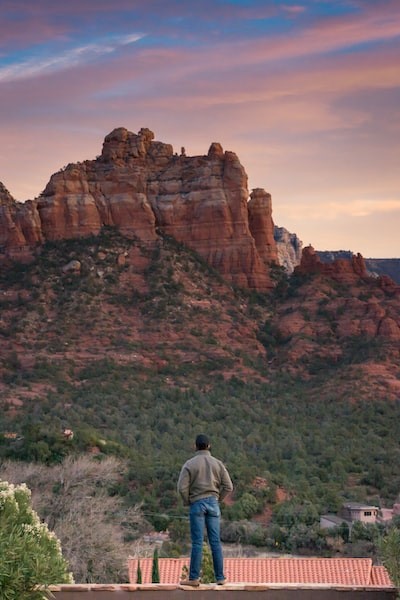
203	481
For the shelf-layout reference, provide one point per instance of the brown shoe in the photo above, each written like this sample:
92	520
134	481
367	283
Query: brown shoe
190	582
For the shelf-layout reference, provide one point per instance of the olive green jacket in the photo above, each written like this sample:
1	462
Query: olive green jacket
203	476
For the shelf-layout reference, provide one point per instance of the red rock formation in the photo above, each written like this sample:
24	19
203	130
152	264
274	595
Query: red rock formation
388	285
341	269
202	202
141	187
20	227
262	226
328	322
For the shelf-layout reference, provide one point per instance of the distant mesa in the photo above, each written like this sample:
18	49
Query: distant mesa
376	267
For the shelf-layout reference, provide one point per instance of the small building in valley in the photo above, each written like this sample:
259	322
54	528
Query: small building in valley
355	511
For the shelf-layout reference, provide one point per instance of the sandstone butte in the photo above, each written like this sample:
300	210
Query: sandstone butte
145	189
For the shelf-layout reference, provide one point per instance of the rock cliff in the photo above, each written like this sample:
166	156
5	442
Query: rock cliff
20	227
375	266
343	270
336	314
289	248
144	189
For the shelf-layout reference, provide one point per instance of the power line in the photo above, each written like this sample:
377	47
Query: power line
165	516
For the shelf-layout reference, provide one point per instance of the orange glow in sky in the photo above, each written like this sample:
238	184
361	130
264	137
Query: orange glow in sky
306	93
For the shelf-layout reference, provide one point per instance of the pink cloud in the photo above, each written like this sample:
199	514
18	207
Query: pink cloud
324	36
312	127
293	9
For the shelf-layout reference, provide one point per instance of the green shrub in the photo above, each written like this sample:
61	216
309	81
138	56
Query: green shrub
30	558
155	572
389	552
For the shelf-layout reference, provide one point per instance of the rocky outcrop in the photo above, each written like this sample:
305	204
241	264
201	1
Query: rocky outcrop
20	226
375	266
335	312
288	247
262	226
5	195
111	190
201	201
143	188
343	270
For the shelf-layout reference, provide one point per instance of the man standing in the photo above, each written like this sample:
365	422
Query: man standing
203	481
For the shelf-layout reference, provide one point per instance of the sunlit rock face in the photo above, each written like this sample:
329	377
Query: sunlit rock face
262	225
145	189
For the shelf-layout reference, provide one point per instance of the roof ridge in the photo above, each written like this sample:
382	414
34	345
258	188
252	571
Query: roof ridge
370	573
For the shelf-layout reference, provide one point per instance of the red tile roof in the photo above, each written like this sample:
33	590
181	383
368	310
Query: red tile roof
380	577
329	571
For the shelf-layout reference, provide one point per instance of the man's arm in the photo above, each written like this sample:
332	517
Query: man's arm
226	483
184	485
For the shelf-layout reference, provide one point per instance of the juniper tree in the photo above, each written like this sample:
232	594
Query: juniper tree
155	574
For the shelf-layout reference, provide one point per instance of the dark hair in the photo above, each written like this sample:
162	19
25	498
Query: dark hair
202	442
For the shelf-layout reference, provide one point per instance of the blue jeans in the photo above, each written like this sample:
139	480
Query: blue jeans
205	513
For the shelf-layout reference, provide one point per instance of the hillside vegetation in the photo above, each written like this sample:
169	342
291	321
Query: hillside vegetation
136	360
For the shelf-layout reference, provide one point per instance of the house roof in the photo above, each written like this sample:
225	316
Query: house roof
334	519
329	571
359	506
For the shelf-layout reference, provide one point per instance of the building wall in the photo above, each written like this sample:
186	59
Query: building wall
259	592
364	515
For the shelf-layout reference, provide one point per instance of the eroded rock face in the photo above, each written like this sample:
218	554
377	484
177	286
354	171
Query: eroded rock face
342	270
20	226
289	248
337	312
262	226
141	187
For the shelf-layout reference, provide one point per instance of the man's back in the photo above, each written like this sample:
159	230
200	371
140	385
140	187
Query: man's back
202	476
203	481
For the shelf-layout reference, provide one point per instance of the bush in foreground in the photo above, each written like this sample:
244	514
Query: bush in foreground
30	558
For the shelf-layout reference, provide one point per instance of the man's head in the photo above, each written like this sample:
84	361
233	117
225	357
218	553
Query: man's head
202	442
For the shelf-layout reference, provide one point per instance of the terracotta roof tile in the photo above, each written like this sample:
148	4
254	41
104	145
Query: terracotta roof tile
329	571
380	577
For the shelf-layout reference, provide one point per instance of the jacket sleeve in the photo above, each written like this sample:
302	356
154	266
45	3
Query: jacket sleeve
184	485
226	483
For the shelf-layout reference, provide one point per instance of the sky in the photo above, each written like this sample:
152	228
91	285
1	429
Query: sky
306	93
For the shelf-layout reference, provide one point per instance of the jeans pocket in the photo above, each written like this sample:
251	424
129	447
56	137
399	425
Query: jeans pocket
213	509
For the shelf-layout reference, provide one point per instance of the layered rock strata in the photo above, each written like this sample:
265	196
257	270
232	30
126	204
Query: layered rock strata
260	221
143	188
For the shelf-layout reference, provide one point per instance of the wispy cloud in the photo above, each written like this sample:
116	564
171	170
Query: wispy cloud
72	57
322	37
364	208
330	210
305	92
